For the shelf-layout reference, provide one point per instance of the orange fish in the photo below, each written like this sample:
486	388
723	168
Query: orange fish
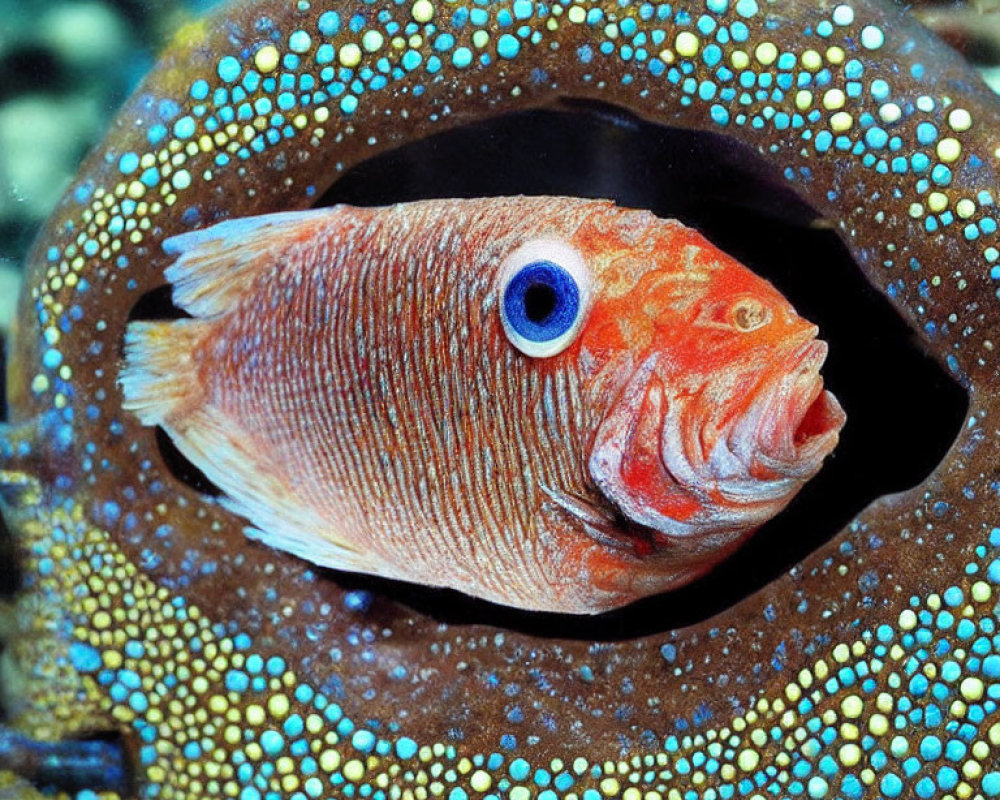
547	402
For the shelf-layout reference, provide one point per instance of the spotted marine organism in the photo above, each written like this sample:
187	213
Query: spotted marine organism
232	669
550	403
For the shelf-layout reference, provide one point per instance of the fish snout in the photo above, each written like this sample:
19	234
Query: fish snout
804	419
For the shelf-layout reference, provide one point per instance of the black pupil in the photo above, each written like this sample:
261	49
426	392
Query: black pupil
539	302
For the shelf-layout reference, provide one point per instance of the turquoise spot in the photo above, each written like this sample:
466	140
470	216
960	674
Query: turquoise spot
272	742
363	740
299	42
84	658
746	8
508	46
329	23
406	748
184	128
128	163
462	57
229	69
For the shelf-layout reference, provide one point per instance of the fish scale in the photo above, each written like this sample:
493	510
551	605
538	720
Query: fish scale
732	745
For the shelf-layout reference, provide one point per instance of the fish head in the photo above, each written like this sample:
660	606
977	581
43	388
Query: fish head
707	405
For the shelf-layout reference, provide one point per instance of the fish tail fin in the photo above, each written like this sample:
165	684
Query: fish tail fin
159	378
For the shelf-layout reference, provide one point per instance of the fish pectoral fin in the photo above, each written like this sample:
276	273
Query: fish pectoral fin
600	524
310	544
215	266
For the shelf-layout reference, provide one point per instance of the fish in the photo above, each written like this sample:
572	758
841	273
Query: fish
550	403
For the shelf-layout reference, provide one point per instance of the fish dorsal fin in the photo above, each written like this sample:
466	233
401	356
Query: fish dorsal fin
214	266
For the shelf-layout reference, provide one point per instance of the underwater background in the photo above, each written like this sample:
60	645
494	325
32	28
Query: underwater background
65	68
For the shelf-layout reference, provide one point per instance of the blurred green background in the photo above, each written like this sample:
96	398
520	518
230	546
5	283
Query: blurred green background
65	67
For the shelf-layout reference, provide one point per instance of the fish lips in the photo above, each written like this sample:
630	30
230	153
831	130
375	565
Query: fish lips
800	420
645	466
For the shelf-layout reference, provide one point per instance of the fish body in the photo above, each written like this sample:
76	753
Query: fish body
551	403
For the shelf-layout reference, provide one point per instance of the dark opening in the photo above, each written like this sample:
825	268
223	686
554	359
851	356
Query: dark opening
539	302
875	366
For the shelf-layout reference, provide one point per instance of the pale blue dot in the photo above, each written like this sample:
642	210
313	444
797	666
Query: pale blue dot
52	359
717	6
880	90
519	769
199	89
872	37
299	42
876	138
272	742
818	787
229	69
523	9
181	179
329	23
508	46
843	15
363	740
891	785
128	163
406	748
411	60
84	658
746	8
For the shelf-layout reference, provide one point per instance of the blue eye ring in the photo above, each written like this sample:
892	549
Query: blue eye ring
544	293
541	302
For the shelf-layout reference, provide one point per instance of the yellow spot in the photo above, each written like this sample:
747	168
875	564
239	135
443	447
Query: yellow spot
480	39
748	760
916	210
852	706
811	60
834	99
959	119
907	620
266	59
422	11
766	53
667	56
686	44
255	715
972	689
937	202
835	55
841	122
610	787
329	760
803	99
350	55
739	59
278	706
890	113
965	208
981	591
949	149
878	724
850	755
480	781
354	770
577	15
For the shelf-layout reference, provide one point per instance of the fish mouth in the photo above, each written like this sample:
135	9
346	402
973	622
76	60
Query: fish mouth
802	420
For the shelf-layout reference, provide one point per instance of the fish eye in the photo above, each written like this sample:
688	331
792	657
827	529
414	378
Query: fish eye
544	293
749	314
